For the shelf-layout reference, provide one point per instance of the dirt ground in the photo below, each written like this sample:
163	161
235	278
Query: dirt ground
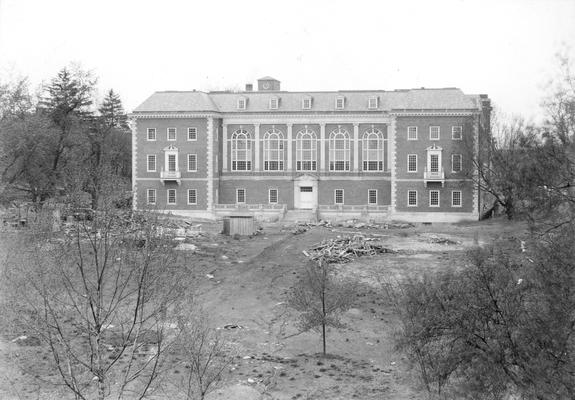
243	282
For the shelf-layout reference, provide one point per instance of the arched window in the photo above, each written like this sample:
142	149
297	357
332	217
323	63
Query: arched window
241	151
306	148
273	150
339	150
374	150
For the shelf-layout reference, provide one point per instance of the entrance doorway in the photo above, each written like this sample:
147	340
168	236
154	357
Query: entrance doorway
305	192
306	197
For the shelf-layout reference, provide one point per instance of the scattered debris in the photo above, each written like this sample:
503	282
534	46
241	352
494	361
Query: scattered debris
209	276
442	240
344	249
300	229
186	247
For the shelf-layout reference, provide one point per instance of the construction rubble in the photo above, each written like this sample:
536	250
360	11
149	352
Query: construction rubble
345	249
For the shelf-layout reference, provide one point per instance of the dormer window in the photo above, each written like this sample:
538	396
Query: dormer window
274	103
306	103
339	103
242	103
373	102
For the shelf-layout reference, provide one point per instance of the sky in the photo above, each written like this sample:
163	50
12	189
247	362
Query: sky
504	48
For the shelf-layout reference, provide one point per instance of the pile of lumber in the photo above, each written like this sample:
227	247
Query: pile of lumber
345	249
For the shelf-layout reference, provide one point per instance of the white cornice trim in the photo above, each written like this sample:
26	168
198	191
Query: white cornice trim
433	113
174	115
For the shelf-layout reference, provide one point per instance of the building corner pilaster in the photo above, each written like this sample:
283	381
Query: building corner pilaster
133	123
210	165
393	164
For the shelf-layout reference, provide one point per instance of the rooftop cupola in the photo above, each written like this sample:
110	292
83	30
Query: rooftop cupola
267	83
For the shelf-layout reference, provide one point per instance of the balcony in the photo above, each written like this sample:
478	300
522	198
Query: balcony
170	176
434	176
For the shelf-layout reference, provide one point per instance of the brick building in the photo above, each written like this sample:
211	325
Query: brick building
403	154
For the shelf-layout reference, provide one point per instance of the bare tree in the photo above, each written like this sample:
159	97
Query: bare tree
205	357
99	299
321	297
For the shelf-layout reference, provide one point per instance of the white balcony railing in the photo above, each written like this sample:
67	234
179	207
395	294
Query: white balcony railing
170	176
434	176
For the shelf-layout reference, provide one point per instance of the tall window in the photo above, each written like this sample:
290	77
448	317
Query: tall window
339	150
339	103
273	196
192	162
151	196
456	163
193	134
412	163
374	150
338	196
434	133
456	198
434	198
273	150
412	198
306	103
240	195
151	163
192	196
171	196
372	196
456	132
172	163
434	163
151	134
412	133
171	134
306	150
242	103
241	151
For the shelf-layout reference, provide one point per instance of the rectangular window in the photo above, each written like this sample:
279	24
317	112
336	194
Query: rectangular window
456	162
434	133
456	198
192	162
192	196
338	196
412	163
171	134
151	163
242	104
434	198
274	102
412	133
240	195
372	196
273	196
171	196
306	189
306	103
412	198
193	134
456	132
172	163
151	134
339	102
372	102
151	196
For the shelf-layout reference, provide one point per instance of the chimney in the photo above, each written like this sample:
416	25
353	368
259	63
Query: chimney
249	87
